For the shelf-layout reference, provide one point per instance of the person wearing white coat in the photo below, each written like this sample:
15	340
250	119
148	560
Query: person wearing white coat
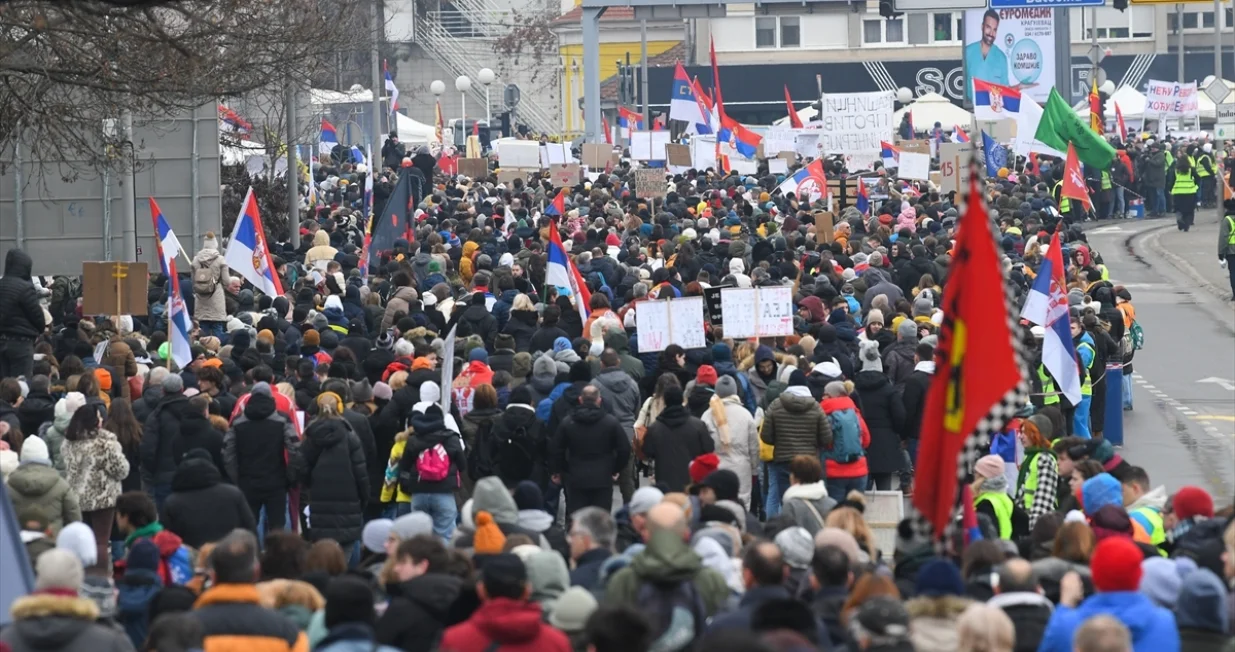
733	431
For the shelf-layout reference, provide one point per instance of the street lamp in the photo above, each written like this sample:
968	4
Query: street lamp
904	95
437	87
463	84
486	77
1107	87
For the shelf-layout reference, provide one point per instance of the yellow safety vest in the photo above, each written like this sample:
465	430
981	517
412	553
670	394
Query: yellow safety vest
1151	520
1106	180
1230	236
1184	184
1170	160
1031	480
1048	387
1086	383
1201	170
1003	506
1065	205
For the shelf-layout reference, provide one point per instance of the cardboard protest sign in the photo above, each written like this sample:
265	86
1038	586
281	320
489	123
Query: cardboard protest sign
566	175
114	288
473	168
824	221
596	156
650	183
678	155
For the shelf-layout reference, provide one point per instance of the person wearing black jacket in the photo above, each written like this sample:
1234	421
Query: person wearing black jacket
674	440
435	497
393	152
196	431
544	337
590	449
476	320
202	507
162	427
38	407
422	602
331	466
914	396
375	465
21	316
257	454
425	162
884	412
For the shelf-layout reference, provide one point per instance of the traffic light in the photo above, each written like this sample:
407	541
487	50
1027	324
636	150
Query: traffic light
1120	4
887	10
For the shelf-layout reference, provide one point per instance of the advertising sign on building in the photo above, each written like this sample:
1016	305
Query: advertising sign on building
1011	47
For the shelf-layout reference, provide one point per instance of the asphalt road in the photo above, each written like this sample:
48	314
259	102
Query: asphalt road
1182	428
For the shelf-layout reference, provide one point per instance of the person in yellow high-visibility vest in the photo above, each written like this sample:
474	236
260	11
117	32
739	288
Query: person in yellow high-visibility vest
1144	505
1226	242
990	497
1206	174
1183	193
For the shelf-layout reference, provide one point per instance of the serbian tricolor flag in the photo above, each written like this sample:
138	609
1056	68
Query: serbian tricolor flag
978	385
995	102
959	135
247	253
558	205
562	273
329	138
165	239
864	202
744	141
1119	124
707	108
1047	306
629	120
891	154
808	182
391	88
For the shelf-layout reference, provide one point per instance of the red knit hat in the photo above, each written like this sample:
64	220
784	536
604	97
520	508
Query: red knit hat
1193	501
706	375
1116	565
702	466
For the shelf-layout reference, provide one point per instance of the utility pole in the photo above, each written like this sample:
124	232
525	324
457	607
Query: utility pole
643	77
1063	52
375	134
293	171
1217	41
129	195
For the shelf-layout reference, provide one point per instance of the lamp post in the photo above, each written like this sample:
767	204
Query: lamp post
486	77
463	84
437	87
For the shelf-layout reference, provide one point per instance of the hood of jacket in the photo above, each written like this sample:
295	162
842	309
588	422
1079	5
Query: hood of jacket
666	559
615	380
536	520
52	622
518	417
33	479
18	263
325	433
195	472
587	414
618	341
811	491
1135	610
837	404
137	588
1155	498
508	621
674	416
797	404
490	495
433	592
870	380
259	406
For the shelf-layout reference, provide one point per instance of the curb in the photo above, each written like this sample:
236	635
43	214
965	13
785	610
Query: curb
1150	238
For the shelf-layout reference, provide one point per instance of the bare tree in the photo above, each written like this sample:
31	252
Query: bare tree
69	70
531	43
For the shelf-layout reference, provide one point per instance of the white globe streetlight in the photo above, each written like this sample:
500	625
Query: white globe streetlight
904	95
486	77
1107	87
437	87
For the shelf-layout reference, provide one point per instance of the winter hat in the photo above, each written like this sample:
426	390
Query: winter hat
69	405
382	391
478	354
644	499
1116	565
504	341
989	466
796	546
706	375
923	307
884	617
937	578
311	338
34	449
544	367
834	536
1189	502
144	555
78	538
209	242
1162	581
561	344
410	525
385	341
1202	603
868	356
527	495
488	539
908	330
828	369
374	534
573	608
721	353
726	386
1101	490
797	379
58	569
703	465
875	315
362	392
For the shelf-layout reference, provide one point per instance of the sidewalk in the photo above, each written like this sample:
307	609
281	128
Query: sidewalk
1196	252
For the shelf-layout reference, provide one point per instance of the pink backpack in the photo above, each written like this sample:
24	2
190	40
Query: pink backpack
433	464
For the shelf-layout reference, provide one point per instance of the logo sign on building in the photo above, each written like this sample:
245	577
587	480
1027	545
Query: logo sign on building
1012	47
1164	99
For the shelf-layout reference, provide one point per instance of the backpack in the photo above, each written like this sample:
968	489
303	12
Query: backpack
204	282
846	437
1138	336
433	464
670	608
176	568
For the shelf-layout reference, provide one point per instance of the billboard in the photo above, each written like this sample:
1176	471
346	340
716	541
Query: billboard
1013	47
62	221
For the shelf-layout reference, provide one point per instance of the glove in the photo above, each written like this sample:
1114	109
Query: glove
1222	263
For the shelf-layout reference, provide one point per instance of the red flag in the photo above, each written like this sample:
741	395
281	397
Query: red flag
720	103
1031	164
1074	186
978	378
1119	124
558	206
604	124
1095	108
794	120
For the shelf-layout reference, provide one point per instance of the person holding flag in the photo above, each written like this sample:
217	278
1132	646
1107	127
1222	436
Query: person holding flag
178	322
562	273
1046	305
247	252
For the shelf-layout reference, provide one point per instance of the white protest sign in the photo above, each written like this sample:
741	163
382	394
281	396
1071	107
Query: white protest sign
448	369
807	144
652	325
520	154
914	166
775	311
703	152
779	139
742	166
778	165
738	312
854	124
686	323
954	167
1170	100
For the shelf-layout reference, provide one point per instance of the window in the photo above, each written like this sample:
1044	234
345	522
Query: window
790	32
765	32
1192	20
876	31
946	28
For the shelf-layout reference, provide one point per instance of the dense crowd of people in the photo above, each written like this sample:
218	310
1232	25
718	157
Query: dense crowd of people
331	473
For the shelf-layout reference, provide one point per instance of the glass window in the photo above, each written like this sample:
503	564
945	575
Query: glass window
943	27
1191	20
872	31
895	30
1207	20
1172	22
765	32
1118	32
1228	18
790	32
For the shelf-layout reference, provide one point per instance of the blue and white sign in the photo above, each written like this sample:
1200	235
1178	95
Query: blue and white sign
1014	4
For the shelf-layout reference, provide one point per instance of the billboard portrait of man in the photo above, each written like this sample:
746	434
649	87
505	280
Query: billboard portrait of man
983	58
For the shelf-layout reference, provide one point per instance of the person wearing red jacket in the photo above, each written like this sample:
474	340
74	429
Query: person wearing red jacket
506	619
846	460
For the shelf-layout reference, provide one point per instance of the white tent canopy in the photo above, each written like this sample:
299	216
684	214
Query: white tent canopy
931	108
413	132
238	152
806	114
